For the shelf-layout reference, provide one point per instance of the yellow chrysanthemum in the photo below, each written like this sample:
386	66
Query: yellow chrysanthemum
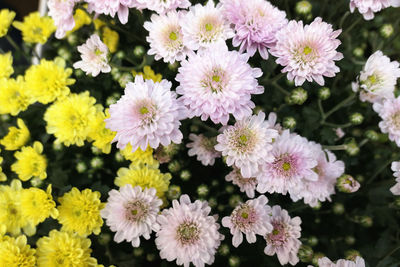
3	177
98	24
6	68
6	18
48	80
81	19
79	212
145	176
64	249
110	39
36	29
37	205
139	156
101	136
148	74
16	137
15	252
13	96
69	118
30	162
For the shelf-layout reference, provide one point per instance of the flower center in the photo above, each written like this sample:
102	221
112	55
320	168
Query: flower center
188	232
136	211
209	27
396	120
278	236
243	140
215	80
372	79
97	52
173	36
144	110
244	216
307	50
286	166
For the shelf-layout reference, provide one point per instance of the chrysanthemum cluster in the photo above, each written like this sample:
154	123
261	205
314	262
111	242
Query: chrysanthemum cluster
369	8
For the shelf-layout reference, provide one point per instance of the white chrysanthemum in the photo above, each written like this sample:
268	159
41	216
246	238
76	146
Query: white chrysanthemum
204	26
284	238
131	213
94	55
62	11
251	219
166	37
368	8
247	185
325	262
203	148
389	111
396	168
216	82
293	162
147	114
272	122
247	144
188	233
164	6
378	78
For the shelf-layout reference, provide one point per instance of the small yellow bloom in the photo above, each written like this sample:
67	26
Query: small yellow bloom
139	156
16	137
110	39
30	162
3	177
81	19
148	74
79	212
101	136
6	18
6	68
16	252
13	96
36	29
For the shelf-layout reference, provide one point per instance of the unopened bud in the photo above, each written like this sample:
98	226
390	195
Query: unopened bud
139	51
298	96
289	122
305	253
174	191
303	7
356	118
186	175
386	30
324	93
347	184
338	208
202	190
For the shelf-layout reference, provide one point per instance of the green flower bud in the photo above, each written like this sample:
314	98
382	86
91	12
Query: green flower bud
5	117
386	30
305	253
95	150
312	241
64	53
372	135
174	191
298	96
235	200
104	238
356	118
289	122
338	208
350	240
365	221
358	52
223	250
202	190
115	73
229	189
119	157
137	252
150	257
139	51
120	54
303	7
324	93
96	163
234	261
72	39
57	146
79	73
125	78
185	175
352	149
81	167
36	182
317	256
174	166
347	184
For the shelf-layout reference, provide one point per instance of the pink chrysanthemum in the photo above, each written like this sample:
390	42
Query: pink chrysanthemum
328	170
113	7
396	168
131	213
325	262
272	122
164	6
216	82
251	219
166	37
203	148
389	111
62	12
94	57
247	144
188	233
204	26
293	162
368	8
147	114
247	185
309	52
256	23
284	238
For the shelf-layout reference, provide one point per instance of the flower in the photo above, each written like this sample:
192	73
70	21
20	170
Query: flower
251	219
16	252
79	212
139	156
166	37
147	114
389	111
204	26
247	144
35	28
16	137
13	96
112	7
284	238
203	148
378	78
101	136
81	19
188	234
69	118
368	8
309	52
256	23
148	74
110	39
6	18
162	7
6	64
61	11
292	163
325	262
30	162
396	168
131	212
64	248
48	80
216	82
347	184
94	57
247	185
144	176
3	177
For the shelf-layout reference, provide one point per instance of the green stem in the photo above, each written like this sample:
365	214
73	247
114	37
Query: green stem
276	78
338	106
381	169
388	255
363	142
334	125
124	68
352	25
280	88
343	19
338	147
14	45
321	109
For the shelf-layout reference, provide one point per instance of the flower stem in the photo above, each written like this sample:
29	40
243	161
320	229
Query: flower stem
337	107
338	147
280	88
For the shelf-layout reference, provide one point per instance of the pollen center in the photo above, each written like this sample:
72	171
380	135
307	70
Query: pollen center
173	36
216	78
307	50
209	27
144	110
286	166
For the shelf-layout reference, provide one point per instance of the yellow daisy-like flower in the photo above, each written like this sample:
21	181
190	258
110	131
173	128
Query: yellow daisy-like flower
6	18
64	249
99	133
110	39
145	176
148	74
37	205
30	162
48	80
16	137
79	212
15	252
69	118
3	177
13	96
35	29
139	156
81	19
6	61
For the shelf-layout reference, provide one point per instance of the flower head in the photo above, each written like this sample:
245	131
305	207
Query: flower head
347	184
16	137
251	219
203	147
101	136
131	212
247	185
35	29
13	96
396	168
6	18
16	252
188	233
113	7
389	111
6	62
61	11
309	52
325	262
368	8
139	156
162	7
